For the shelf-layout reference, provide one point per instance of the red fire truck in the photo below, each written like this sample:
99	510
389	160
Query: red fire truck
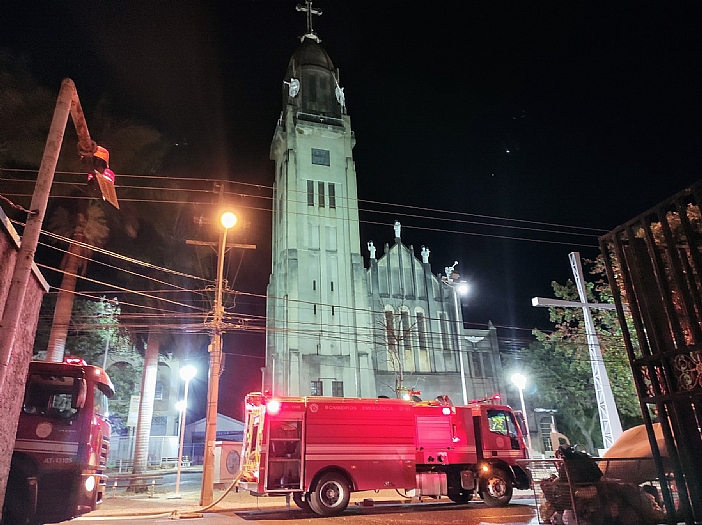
320	449
62	442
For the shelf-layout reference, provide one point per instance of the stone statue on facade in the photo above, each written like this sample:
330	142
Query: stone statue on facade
293	87
398	227
371	249
425	254
451	273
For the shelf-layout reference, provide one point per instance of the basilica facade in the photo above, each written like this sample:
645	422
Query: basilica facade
335	327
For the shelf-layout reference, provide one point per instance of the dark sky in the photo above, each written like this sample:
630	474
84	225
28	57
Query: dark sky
557	113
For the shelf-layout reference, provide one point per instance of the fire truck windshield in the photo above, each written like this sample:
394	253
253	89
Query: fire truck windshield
54	396
502	422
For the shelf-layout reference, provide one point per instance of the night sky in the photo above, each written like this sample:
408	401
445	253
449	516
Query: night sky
552	114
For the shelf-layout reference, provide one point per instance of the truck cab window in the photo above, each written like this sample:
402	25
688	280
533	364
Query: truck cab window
502	422
100	402
52	396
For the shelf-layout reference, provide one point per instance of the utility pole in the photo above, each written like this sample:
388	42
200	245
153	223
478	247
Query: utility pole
228	220
610	424
67	103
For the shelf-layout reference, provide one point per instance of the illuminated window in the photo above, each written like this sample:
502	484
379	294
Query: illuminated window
310	193
406	331
445	332
316	388
158	394
422	331
338	388
390	330
320	186
320	157
477	365
332	195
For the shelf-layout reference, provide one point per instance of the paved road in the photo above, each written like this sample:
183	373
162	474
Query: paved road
521	513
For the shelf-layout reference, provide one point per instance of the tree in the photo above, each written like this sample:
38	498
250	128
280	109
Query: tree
96	330
25	114
86	227
559	363
394	330
134	147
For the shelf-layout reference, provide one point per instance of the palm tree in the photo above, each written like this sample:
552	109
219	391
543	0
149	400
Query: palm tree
87	227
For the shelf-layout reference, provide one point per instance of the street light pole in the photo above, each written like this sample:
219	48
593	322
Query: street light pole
462	288
460	350
228	220
520	382
186	374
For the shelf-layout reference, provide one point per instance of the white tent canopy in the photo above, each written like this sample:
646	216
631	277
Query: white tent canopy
228	429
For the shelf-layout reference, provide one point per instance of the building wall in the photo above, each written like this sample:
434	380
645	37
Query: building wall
325	311
12	393
318	324
427	336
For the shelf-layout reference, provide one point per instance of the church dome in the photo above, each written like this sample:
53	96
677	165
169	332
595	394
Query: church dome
309	53
310	81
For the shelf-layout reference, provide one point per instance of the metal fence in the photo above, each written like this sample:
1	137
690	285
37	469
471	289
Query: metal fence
654	266
592	491
163	452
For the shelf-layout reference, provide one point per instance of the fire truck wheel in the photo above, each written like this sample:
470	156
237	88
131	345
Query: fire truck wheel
496	488
15	511
301	499
331	495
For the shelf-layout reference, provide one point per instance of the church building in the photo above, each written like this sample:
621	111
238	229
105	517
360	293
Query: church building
334	327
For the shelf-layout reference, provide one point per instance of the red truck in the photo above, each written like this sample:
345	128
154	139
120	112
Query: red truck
63	439
320	449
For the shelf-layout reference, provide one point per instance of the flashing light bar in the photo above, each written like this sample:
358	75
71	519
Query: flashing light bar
490	399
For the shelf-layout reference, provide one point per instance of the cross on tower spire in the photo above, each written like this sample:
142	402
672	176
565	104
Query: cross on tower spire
310	11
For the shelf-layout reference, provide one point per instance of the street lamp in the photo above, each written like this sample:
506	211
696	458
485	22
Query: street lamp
228	220
459	288
520	382
186	374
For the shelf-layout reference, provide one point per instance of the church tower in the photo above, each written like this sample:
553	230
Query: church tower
318	334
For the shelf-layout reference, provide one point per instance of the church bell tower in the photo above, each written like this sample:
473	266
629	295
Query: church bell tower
318	333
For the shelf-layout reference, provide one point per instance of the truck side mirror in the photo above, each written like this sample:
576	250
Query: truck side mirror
80	392
521	421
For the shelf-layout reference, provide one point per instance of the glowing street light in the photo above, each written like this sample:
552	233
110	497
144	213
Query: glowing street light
228	220
186	374
458	288
520	382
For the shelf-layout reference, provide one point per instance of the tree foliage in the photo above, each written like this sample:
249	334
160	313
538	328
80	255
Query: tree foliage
95	330
560	365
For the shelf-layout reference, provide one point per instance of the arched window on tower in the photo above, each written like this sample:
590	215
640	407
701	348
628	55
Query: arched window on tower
423	341
390	328
407	336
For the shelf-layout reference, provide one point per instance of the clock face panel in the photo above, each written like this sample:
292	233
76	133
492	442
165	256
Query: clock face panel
233	459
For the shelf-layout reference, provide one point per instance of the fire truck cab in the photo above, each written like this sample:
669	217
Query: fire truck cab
320	449
63	439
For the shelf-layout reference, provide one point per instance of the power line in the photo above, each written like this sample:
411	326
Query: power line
301	193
